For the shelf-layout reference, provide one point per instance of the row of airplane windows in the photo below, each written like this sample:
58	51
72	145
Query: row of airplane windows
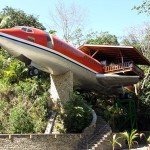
26	29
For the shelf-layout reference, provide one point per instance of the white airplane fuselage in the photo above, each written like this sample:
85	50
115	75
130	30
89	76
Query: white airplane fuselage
50	54
49	60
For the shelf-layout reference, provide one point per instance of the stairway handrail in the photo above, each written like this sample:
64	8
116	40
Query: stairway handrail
94	118
107	124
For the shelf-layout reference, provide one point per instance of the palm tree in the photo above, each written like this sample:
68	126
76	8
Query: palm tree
114	141
130	137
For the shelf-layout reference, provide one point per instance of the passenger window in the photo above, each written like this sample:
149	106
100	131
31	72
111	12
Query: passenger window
24	29
29	30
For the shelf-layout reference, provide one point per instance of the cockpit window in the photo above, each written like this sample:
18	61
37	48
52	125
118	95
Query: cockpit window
26	29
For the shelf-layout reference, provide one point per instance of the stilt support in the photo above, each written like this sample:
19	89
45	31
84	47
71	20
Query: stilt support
61	87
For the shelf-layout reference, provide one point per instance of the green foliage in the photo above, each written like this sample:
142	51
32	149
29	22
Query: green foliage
4	116
11	17
104	38
144	7
130	137
20	121
77	115
34	111
52	32
38	112
144	106
131	40
20	92
144	94
139	38
115	141
4	20
23	100
78	37
148	139
105	106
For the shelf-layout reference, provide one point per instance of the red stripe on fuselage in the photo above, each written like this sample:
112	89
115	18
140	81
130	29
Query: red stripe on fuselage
60	46
77	55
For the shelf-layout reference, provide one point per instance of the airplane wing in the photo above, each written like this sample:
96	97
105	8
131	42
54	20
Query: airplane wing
113	80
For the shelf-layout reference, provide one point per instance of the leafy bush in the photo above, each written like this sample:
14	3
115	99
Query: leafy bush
77	115
20	122
17	91
4	116
23	100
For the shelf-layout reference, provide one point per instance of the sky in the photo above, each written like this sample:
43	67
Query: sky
114	16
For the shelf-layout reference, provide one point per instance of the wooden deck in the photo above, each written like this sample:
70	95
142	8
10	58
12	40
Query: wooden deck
126	67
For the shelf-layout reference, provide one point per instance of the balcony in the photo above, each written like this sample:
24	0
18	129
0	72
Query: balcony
127	68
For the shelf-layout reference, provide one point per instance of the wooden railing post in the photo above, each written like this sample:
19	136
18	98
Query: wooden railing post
126	66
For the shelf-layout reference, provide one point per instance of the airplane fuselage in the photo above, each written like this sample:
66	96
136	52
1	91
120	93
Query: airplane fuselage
50	54
46	52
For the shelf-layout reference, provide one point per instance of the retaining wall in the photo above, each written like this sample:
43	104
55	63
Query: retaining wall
39	142
50	141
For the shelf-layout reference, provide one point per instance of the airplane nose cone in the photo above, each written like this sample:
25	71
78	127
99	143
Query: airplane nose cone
7	42
7	31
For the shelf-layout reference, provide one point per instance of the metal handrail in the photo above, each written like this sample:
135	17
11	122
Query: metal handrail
100	131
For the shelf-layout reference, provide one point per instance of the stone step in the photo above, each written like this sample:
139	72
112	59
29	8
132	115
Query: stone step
97	140
50	123
101	133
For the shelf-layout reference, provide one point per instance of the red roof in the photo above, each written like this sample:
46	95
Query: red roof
105	52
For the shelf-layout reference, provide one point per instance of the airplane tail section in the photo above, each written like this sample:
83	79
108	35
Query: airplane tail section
114	80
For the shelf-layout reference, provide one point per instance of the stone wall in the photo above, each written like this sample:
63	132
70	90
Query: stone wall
39	142
51	141
44	141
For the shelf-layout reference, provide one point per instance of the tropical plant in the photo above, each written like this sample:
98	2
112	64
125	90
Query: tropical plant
104	38
23	100
148	139
18	18
138	37
115	141
77	115
4	119
4	20
20	122
131	137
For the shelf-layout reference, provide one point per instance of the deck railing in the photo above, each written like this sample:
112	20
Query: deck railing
124	67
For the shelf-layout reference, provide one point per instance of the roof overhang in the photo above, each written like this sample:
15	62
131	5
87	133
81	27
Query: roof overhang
104	52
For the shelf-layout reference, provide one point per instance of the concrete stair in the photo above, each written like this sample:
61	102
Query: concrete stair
98	140
51	122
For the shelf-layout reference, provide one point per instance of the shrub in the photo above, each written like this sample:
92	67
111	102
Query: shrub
20	122
77	115
4	119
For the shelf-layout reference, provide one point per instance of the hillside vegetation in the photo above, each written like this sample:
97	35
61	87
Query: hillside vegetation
24	100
